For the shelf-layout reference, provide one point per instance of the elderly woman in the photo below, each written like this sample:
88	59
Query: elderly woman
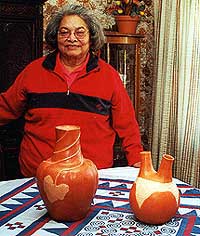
72	86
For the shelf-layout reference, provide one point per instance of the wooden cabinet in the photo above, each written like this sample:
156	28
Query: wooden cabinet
122	51
21	41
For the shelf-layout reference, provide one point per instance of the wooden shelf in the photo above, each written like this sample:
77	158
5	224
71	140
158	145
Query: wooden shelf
122	51
119	38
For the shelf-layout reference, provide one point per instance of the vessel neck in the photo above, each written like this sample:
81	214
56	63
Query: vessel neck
165	169
146	169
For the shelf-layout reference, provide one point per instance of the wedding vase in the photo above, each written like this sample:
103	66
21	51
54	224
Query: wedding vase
67	182
154	197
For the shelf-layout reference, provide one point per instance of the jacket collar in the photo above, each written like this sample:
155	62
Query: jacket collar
49	62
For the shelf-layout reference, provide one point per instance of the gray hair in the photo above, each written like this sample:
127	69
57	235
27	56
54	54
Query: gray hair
97	37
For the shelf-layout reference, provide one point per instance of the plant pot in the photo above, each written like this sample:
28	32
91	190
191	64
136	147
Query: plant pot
154	198
67	182
127	24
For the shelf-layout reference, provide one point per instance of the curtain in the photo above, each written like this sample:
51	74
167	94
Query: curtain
176	90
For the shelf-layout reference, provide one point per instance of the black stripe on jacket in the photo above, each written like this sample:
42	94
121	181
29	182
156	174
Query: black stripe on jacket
72	101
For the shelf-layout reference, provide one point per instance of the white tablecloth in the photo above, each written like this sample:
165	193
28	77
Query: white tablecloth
22	211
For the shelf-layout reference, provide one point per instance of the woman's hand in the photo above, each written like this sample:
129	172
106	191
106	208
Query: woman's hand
137	164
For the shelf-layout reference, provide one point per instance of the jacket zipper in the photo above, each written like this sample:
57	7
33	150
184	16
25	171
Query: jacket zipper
68	86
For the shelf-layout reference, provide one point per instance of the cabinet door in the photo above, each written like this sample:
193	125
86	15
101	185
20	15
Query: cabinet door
123	53
17	49
123	58
21	27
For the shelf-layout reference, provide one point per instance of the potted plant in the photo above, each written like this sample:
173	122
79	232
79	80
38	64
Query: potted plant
128	11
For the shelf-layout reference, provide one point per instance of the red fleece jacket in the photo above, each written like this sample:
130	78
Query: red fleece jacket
98	131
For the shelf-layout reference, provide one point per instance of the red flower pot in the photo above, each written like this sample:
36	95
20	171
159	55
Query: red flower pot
127	24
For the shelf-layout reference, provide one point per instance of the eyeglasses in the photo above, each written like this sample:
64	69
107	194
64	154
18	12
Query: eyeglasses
79	33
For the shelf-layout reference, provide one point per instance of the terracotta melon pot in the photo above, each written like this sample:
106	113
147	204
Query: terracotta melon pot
154	198
127	24
67	182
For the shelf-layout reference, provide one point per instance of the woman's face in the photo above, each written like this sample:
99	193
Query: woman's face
73	37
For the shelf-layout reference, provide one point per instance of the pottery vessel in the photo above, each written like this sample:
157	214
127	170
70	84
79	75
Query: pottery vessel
154	198
67	182
127	24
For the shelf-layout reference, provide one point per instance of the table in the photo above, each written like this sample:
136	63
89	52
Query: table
22	211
